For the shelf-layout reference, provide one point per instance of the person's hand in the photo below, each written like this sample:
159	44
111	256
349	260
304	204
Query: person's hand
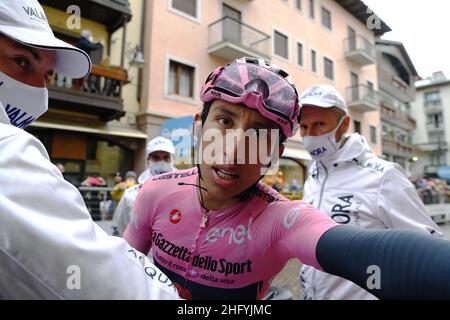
122	185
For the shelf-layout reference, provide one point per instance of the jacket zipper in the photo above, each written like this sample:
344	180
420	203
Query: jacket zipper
322	187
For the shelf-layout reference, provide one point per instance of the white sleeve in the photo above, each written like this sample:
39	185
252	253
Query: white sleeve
49	246
123	211
400	207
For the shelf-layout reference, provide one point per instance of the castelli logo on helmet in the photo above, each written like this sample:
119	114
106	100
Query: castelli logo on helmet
175	216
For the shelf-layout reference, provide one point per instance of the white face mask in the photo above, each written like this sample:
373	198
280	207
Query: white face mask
23	103
321	147
159	167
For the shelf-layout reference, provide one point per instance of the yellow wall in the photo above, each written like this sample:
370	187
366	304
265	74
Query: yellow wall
58	18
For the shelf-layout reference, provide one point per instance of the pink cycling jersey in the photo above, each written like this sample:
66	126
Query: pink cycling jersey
237	252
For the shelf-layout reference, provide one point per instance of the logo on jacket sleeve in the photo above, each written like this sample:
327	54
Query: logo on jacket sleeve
175	216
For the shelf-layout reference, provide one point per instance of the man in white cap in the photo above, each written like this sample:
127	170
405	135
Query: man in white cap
160	159
49	246
350	183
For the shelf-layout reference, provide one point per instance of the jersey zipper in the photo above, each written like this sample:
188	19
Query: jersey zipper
204	219
203	226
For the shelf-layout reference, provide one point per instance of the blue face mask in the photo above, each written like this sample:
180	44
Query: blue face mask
321	147
23	103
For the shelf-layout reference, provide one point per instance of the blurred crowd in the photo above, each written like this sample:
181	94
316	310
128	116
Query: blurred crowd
433	190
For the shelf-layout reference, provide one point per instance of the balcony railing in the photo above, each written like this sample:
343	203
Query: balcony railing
229	39
99	93
397	147
398	118
433	106
391	112
363	98
360	50
433	103
440	146
433	126
395	86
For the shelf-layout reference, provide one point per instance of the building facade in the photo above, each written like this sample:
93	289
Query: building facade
432	136
396	81
315	41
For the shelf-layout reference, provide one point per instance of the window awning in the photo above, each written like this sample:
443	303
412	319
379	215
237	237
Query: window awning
100	129
299	154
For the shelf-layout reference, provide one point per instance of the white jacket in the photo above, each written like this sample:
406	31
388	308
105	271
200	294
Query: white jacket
49	246
122	213
355	186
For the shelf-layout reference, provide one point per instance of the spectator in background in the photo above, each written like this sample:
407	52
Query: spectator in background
278	184
121	186
94	180
117	178
160	159
86	42
67	177
295	187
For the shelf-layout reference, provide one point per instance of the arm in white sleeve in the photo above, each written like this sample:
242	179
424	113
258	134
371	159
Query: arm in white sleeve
400	207
122	213
49	246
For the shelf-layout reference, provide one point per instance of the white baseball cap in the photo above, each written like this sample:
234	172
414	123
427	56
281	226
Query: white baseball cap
160	144
25	21
324	96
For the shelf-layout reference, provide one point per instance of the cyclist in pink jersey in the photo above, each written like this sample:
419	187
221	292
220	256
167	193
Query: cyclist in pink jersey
218	233
237	251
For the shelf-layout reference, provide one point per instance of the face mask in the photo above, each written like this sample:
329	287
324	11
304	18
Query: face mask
23	103
159	167
321	147
154	169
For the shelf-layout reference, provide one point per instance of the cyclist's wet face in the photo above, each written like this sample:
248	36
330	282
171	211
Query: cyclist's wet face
25	64
232	137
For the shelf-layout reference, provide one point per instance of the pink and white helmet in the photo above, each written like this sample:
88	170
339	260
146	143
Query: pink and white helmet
259	86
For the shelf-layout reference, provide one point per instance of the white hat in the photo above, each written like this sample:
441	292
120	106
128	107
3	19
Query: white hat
24	21
324	96
160	144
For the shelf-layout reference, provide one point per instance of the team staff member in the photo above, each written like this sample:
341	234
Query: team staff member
352	185
160	159
49	246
